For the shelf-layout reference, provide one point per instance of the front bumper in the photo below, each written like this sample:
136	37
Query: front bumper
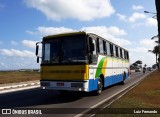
63	85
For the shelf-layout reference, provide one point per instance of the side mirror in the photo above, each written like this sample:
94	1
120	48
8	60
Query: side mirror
37	48
37	59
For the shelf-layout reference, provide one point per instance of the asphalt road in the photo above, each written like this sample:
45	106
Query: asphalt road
38	98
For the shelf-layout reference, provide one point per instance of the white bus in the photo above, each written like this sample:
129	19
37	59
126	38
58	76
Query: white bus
81	61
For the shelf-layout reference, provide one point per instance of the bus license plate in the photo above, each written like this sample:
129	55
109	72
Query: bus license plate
60	84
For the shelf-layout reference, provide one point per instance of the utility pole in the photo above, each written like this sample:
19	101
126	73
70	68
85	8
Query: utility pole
157	3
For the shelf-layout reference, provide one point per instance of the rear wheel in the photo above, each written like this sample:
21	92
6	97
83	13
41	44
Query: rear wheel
124	79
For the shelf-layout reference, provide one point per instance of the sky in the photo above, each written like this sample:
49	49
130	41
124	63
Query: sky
25	22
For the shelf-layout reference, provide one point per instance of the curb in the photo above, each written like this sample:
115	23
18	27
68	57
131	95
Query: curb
13	87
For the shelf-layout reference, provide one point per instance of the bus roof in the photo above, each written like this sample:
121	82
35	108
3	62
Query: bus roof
64	34
78	33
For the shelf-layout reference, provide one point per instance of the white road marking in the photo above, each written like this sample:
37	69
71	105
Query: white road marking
18	89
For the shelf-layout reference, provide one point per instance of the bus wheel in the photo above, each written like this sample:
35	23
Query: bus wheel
124	79
99	87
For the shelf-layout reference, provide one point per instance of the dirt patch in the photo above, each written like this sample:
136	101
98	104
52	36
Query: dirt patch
145	95
14	77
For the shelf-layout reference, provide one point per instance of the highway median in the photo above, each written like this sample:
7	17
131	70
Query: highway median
142	98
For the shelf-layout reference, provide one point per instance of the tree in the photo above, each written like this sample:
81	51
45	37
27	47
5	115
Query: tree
157	3
137	64
155	51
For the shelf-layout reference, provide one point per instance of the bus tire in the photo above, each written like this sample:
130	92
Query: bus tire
99	87
124	78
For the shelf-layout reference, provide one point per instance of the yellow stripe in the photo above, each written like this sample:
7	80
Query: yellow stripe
69	72
104	67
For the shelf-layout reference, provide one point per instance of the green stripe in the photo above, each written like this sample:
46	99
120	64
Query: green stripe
100	65
99	69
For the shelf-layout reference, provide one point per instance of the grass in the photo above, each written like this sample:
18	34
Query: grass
145	95
14	77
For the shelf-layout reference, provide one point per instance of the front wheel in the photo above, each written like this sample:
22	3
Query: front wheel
99	87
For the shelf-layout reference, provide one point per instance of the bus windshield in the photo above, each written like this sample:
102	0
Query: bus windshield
66	49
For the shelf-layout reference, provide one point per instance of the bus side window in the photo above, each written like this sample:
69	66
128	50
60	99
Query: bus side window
100	42
104	47
127	55
121	55
117	53
114	51
108	48
111	48
95	47
124	54
98	45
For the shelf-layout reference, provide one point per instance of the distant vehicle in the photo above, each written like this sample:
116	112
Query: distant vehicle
144	69
81	61
149	69
137	70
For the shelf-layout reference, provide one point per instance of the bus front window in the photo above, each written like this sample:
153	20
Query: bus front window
67	49
73	50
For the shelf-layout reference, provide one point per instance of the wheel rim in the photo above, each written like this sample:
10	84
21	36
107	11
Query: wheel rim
99	86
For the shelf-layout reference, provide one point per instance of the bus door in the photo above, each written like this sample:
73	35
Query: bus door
93	57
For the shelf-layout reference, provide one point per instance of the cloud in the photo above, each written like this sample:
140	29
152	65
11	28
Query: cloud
15	62
147	43
111	33
133	18
122	17
112	30
83	10
29	43
142	57
53	30
17	53
151	22
136	16
139	51
137	7
3	65
107	31
30	32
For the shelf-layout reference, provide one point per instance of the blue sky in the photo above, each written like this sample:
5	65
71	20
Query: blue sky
24	22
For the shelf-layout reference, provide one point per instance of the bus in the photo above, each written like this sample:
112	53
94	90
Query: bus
81	61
